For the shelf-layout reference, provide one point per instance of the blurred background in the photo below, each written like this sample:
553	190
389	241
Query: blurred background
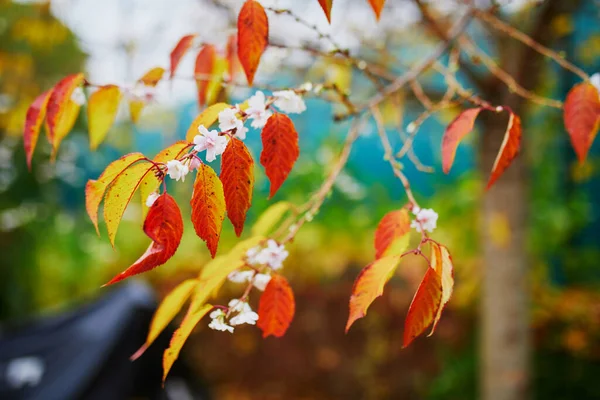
548	228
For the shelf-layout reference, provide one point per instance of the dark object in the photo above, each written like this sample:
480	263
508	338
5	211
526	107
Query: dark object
85	355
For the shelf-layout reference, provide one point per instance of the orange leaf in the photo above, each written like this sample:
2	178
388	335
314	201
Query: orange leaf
205	65
119	195
369	285
582	117
441	262
102	110
167	310
424	306
206	118
165	227
208	207
33	122
394	227
152	77
150	183
179	51
276	308
237	175
509	149
456	131
253	36
280	149
188	324
135	109
61	111
326	6
95	189
233	62
377	6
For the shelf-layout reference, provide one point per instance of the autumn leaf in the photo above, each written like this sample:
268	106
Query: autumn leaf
276	307
509	149
392	234
180	336
206	118
61	111
270	217
326	6
369	285
164	226
456	131
441	262
33	122
205	66
95	189
208	207
424	306
582	117
135	110
179	51
253	36
152	77
151	183
119	195
377	6
102	110
280	149
237	175
233	62
166	311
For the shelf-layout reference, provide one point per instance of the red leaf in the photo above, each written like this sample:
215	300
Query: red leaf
233	62
208	207
253	36
33	122
582	117
509	149
276	308
456	131
326	6
179	51
394	226
61	110
280	149
205	64
369	285
424	306
237	175
164	226
377	5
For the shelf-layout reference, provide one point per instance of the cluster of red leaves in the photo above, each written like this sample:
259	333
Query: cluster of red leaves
376	5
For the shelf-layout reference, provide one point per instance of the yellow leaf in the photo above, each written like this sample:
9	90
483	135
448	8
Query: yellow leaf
441	262
152	77
180	336
206	118
102	110
270	217
95	189
119	195
150	183
214	86
135	110
167	310
61	111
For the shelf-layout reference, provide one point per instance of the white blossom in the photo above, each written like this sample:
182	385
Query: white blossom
245	314
240	132
289	102
257	110
140	92
177	170
595	80
273	255
240	276
425	218
211	142
218	321
306	86
78	96
228	119
261	281
152	197
251	255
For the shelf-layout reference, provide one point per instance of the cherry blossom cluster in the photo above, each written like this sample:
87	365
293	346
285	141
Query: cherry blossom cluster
425	219
261	260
